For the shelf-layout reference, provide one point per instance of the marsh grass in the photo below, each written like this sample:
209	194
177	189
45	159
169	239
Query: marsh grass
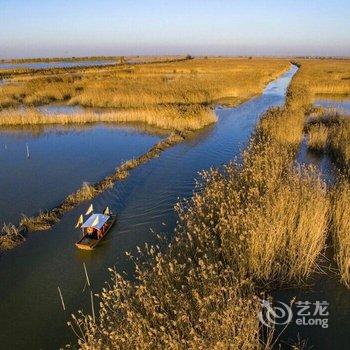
187	82
339	146
327	77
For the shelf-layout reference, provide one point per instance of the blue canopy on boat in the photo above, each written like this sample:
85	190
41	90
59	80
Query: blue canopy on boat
95	221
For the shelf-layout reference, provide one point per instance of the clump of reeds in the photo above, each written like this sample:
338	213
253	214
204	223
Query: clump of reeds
341	228
339	146
270	219
317	137
43	221
10	237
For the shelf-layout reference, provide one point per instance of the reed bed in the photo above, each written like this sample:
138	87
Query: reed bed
341	228
165	117
329	132
195	81
249	227
327	77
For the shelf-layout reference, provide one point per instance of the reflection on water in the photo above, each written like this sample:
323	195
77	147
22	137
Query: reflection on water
58	64
322	162
342	105
144	201
60	109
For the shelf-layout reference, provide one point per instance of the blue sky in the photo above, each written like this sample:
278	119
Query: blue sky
33	28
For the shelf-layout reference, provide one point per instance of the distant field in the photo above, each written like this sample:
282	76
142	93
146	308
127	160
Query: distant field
92	58
177	90
327	77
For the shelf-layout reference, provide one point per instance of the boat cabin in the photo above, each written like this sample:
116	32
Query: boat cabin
95	226
95	229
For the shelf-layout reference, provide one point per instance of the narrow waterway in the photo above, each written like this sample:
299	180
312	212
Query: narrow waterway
30	309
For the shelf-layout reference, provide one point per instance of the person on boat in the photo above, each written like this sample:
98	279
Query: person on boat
100	233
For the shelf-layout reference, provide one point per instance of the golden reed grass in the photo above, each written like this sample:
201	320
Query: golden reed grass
327	77
250	226
196	81
171	95
317	137
165	117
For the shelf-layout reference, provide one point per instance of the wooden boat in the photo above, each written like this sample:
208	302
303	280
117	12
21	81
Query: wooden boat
94	229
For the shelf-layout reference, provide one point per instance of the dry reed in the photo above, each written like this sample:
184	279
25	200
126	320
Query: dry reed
317	137
10	237
341	228
165	117
195	81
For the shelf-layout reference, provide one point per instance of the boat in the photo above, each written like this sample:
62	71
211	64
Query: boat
95	228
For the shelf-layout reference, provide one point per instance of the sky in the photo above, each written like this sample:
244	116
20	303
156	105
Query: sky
51	28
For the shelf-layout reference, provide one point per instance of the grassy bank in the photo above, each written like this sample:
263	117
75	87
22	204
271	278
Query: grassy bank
251	227
173	89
